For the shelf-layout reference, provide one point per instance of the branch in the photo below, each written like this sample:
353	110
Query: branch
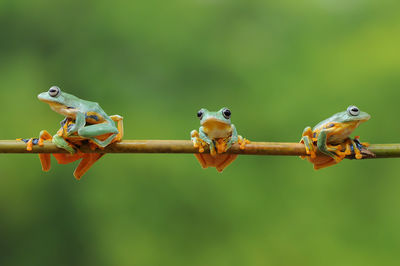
186	146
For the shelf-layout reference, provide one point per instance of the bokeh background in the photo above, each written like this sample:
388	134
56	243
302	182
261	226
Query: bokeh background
279	66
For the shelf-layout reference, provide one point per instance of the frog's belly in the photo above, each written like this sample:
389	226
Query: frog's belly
218	134
217	130
340	136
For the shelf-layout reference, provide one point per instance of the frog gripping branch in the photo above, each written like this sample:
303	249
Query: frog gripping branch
331	138
218	134
85	123
86	128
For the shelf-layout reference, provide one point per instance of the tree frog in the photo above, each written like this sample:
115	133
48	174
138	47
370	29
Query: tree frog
332	138
84	121
218	133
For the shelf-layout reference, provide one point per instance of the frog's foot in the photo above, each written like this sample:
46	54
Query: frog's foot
219	161
45	161
323	163
201	159
224	162
360	144
66	158
357	148
307	140
221	145
44	135
197	141
45	158
336	152
348	149
88	160
242	142
29	143
120	125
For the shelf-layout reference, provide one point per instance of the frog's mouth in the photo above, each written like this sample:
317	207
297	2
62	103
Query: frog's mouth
62	109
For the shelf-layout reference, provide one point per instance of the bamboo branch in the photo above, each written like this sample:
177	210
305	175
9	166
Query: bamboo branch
186	146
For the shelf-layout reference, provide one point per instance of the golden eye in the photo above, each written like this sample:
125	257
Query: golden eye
54	91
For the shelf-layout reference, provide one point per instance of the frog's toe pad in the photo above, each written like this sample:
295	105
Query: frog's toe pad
242	142
35	141
30	143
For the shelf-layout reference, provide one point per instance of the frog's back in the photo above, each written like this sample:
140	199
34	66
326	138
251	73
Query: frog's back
333	119
93	112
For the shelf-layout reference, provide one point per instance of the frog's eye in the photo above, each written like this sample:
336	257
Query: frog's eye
200	114
226	113
353	110
54	91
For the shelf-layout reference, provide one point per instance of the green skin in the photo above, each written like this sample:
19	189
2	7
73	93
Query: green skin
215	132
77	109
342	118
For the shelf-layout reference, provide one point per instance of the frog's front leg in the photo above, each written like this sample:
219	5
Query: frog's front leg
203	136
236	138
307	140
80	122
94	131
233	139
356	148
60	142
44	135
331	151
197	141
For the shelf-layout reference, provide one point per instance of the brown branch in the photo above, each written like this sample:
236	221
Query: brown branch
186	146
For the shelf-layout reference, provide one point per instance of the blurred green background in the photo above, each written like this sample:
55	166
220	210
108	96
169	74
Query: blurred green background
279	66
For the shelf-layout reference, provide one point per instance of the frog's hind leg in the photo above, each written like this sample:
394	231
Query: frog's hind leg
307	140
65	158
63	144
88	160
324	164
202	161
120	125
45	158
93	131
330	150
228	160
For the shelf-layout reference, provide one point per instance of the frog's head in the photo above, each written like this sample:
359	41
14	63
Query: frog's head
215	124
211	119
351	115
61	102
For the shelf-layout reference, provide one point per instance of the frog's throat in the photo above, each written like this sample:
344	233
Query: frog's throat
63	110
215	123
215	128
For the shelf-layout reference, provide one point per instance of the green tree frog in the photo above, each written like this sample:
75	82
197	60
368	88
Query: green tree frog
218	134
332	138
85	122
